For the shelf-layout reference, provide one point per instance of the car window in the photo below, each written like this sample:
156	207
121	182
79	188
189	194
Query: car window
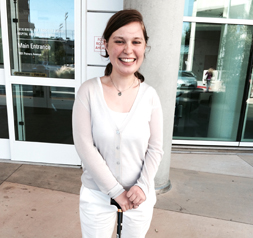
186	74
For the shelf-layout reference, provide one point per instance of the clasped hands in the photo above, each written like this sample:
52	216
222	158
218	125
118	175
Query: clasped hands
131	199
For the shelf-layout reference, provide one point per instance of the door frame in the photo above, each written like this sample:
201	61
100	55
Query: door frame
4	143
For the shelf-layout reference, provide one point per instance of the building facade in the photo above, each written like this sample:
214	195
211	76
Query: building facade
48	48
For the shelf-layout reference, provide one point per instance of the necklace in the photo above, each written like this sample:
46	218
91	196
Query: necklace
120	92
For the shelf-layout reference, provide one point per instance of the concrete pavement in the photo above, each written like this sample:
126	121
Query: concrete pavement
211	197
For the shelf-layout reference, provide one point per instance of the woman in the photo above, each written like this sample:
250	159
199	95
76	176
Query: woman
117	129
209	75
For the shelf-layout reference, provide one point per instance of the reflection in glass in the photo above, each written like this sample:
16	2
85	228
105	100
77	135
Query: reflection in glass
1	47
212	115
242	9
4	132
42	38
247	135
43	114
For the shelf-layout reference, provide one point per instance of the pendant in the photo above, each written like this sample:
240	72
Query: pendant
119	93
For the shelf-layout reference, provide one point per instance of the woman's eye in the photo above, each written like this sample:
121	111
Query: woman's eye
119	42
136	42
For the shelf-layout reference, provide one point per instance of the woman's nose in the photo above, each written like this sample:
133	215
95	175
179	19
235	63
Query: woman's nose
128	48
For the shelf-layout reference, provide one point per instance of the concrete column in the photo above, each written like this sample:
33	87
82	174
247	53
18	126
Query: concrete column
233	60
163	20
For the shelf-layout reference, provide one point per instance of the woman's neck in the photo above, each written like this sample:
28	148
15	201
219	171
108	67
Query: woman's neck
122	82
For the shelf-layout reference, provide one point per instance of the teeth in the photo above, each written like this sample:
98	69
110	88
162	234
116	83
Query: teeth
127	60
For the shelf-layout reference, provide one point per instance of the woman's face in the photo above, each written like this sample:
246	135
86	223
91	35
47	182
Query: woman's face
126	48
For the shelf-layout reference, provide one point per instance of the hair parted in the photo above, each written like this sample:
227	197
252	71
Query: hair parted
118	20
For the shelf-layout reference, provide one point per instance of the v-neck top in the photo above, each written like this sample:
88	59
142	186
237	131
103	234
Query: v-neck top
116	157
117	117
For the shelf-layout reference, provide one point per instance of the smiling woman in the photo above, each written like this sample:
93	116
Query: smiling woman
117	131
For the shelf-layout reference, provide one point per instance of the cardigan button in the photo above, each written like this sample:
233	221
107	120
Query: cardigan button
117	147
117	132
118	162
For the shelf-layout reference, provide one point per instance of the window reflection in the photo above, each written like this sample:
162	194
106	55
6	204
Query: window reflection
1	47
43	114
235	9
212	115
42	38
247	135
4	132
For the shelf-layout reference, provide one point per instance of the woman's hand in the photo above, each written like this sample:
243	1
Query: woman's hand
124	202
136	196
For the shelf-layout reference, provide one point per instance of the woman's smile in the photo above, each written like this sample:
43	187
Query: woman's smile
127	60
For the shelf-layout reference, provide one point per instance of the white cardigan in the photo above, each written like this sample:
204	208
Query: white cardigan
115	158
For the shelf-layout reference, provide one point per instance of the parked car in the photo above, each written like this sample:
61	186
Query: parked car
186	80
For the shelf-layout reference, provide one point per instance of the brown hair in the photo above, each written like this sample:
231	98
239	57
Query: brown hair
118	20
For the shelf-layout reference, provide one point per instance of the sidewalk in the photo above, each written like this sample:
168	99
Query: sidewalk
211	197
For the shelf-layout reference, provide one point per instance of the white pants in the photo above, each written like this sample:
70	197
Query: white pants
98	217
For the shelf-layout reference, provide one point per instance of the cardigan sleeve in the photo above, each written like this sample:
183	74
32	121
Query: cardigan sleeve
91	158
155	148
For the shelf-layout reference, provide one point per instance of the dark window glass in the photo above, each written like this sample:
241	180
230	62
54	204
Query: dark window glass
4	133
43	114
42	38
247	135
1	47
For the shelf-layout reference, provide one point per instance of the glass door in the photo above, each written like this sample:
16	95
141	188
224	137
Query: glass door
208	112
42	74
